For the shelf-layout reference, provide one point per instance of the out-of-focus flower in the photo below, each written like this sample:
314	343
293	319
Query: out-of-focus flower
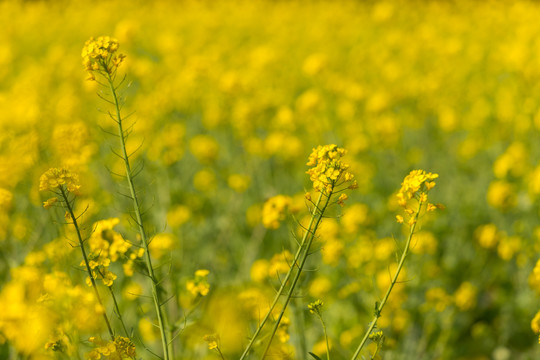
199	284
273	211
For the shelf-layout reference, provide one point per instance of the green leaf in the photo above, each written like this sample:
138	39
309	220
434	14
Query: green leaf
315	356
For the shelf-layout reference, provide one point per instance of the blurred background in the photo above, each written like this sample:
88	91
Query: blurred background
227	100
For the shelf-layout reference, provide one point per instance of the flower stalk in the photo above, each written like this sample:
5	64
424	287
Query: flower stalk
62	182
98	56
414	188
328	173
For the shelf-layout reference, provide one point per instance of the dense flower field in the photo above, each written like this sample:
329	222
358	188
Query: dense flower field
226	108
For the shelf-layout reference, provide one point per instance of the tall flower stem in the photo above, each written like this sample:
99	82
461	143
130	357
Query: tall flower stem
69	209
138	218
316	218
287	276
381	305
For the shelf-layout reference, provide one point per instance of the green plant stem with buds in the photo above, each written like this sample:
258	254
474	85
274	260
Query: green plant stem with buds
85	257
138	218
316	218
381	305
287	277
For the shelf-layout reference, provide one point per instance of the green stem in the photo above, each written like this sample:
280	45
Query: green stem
138	218
284	282
85	257
118	313
326	338
220	353
317	217
394	281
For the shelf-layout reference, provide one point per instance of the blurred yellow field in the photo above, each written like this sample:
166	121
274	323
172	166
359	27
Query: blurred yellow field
228	225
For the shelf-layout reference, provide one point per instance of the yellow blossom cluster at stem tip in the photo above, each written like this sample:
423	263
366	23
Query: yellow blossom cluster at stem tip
98	55
212	340
315	307
199	285
416	185
328	169
54	179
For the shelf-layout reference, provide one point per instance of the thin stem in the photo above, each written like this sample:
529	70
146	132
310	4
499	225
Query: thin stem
220	353
85	257
118	313
317	217
326	338
379	309
284	282
138	217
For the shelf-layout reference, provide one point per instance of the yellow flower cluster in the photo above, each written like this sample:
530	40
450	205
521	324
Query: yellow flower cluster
55	178
98	55
199	285
465	296
106	246
534	277
315	307
416	185
328	169
535	324
40	307
212	340
273	211
119	349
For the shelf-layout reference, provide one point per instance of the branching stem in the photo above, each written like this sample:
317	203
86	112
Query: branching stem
379	308
285	280
316	218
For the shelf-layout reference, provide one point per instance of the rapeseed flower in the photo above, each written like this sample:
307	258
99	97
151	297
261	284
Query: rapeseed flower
55	178
273	211
118	349
328	170
199	286
99	55
416	185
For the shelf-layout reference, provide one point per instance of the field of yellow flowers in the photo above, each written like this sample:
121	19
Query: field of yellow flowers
194	232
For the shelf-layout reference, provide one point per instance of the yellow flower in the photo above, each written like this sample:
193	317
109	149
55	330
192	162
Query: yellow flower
315	307
327	168
487	235
501	195
465	296
55	178
341	199
274	211
535	323
204	148
212	341
98	55
6	198
414	182
416	185
50	202
199	285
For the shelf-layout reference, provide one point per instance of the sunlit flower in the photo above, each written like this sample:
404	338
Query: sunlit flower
99	55
55	178
328	170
